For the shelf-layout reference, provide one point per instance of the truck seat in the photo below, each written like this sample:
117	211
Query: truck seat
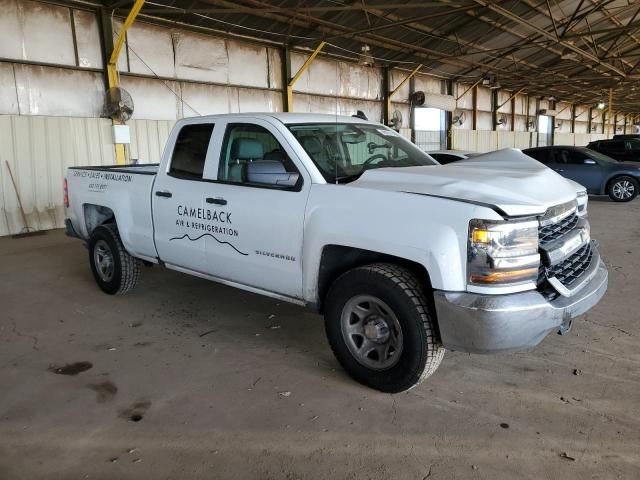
243	151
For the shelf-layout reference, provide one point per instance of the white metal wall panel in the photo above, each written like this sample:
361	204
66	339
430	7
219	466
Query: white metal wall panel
247	64
581	127
485	121
155	99
39	149
484	99
201	57
341	106
564	111
521	105
36	31
275	68
564	138
321	77
522	140
8	92
503	98
485	141
562	126
465	140
466	101
148	138
259	100
150	50
87	39
58	91
428	84
47	33
398	76
521	123
428	140
11	45
208	99
506	139
361	82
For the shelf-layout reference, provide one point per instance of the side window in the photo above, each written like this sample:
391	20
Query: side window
540	155
575	157
245	144
634	146
190	151
614	146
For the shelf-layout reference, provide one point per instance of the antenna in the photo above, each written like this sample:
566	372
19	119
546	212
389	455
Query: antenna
335	155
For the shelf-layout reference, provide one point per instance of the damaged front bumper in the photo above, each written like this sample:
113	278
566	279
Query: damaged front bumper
476	323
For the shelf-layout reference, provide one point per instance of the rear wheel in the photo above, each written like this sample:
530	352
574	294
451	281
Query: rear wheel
115	271
623	189
380	329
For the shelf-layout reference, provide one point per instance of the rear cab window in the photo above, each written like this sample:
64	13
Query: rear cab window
190	151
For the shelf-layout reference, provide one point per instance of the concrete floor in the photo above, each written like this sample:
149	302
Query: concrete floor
205	369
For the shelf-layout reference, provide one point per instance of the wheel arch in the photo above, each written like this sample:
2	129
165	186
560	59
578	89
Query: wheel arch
338	259
96	215
615	175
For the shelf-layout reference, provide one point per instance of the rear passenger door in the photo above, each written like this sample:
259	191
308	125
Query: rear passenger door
178	199
260	243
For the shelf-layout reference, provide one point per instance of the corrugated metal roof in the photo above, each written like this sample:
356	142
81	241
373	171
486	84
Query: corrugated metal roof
573	49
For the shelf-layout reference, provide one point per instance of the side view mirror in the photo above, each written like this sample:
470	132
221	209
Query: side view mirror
588	161
271	172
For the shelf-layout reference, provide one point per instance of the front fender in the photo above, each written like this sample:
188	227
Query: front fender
426	230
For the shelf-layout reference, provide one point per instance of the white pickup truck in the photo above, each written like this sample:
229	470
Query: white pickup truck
403	256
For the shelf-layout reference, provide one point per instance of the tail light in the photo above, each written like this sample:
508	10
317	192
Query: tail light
66	194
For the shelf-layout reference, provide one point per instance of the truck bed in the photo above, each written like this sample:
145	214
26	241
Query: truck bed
125	190
147	169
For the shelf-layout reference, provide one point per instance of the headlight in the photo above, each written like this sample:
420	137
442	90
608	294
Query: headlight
582	200
502	253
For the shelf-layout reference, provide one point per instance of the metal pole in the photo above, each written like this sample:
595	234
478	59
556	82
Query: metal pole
609	114
303	68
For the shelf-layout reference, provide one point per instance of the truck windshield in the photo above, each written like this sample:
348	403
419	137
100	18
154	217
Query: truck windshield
343	151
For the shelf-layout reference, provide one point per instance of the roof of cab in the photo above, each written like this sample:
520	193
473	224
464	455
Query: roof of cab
293	118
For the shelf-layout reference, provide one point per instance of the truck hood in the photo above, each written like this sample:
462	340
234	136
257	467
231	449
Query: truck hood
508	179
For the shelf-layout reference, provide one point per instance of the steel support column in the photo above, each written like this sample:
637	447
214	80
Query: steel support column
388	93
296	77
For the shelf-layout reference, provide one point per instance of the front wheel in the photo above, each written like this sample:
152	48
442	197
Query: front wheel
115	271
623	189
380	329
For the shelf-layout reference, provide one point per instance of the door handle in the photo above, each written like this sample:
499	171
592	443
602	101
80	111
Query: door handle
558	170
217	201
163	194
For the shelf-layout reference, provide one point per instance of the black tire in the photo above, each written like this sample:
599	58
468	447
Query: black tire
124	271
623	189
399	289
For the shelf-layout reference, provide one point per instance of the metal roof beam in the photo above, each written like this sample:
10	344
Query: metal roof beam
517	19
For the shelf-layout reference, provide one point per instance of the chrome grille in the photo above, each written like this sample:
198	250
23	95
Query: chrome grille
549	233
570	269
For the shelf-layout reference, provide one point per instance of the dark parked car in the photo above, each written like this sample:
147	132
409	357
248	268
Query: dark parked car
623	149
597	172
626	136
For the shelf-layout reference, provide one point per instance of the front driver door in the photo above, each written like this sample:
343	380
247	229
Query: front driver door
580	168
257	240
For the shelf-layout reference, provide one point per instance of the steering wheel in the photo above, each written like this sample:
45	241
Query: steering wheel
373	158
